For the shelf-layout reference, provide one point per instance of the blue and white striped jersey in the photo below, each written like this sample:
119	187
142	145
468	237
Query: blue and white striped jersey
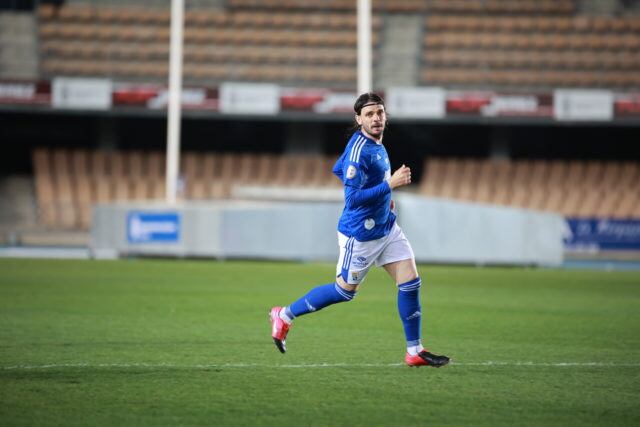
364	169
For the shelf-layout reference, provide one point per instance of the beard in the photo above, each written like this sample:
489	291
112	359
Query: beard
375	131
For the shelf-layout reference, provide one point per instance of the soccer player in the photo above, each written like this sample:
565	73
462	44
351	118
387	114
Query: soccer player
367	234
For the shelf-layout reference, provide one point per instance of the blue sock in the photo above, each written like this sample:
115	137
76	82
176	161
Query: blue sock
409	310
319	298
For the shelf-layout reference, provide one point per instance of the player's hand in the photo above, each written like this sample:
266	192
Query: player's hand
400	177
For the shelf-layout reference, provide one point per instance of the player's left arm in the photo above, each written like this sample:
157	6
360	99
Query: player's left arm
355	197
354	180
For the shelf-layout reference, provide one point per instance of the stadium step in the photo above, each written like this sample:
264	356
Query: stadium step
17	199
398	64
19	53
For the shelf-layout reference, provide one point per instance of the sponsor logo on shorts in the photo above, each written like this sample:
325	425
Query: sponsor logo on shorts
360	262
355	275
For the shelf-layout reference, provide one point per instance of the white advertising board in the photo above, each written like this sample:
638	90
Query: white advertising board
249	98
577	104
81	93
417	102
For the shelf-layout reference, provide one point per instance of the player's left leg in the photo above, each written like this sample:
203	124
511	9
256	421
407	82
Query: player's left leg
398	260
315	300
350	272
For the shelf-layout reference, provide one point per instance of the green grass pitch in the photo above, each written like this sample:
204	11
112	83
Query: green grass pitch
153	342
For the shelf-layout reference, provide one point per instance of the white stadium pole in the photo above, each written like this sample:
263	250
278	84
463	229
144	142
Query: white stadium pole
364	46
175	95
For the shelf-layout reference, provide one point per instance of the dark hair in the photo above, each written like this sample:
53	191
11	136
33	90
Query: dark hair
368	98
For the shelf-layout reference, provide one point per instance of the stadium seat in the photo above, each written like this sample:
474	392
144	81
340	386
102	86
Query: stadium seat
41	163
131	42
84	201
121	188
140	188
45	199
64	200
541	45
155	165
102	188
158	189
574	188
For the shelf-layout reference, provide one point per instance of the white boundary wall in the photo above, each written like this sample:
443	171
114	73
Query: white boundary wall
446	231
439	231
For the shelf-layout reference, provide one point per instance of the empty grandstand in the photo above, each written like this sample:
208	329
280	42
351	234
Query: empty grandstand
528	104
69	182
226	44
465	43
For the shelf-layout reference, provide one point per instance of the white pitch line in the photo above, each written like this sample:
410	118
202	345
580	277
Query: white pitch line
310	365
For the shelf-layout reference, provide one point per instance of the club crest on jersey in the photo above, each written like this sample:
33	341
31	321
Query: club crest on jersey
369	223
351	171
378	157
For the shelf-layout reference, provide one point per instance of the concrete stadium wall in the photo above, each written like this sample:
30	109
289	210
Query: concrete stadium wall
439	231
447	231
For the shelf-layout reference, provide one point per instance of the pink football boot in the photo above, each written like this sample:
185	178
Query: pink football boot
279	329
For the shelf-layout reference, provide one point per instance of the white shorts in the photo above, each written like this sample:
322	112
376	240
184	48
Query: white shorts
356	258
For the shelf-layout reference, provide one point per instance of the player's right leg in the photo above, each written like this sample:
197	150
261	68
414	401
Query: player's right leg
406	276
398	260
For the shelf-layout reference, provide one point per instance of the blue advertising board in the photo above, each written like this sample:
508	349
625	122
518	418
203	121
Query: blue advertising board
602	234
153	227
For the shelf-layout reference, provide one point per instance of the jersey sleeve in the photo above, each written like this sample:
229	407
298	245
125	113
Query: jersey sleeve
353	174
354	197
353	166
